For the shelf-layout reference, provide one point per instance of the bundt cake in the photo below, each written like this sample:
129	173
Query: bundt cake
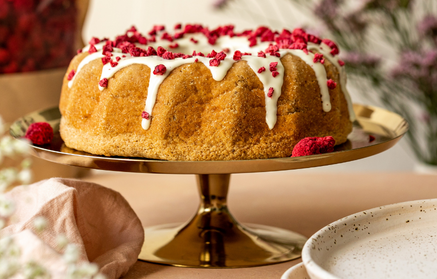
202	94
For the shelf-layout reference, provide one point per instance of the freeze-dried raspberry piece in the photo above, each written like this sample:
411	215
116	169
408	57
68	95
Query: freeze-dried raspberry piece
331	84
313	145
270	93
39	133
226	50
221	55
113	63
71	74
237	55
117	58
212	54
340	62
313	39
151	51
214	62
145	115
318	58
262	54
159	70
167	37
275	73
178	26
194	40
174	45
177	55
94	41
79	51
160	50
168	55
106	60
273	66
92	49
260	70
103	82
332	45
301	46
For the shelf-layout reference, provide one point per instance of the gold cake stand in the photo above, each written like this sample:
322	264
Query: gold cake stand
213	238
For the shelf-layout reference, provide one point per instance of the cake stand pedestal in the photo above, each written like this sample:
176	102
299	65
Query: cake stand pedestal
213	238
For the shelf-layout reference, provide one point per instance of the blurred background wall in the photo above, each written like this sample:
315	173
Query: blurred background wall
107	18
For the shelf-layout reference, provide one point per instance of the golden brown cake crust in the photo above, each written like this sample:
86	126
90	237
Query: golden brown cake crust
196	117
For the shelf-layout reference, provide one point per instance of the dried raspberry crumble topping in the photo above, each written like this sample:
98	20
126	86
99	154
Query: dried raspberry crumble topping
318	58
262	69
145	115
340	62
92	49
275	73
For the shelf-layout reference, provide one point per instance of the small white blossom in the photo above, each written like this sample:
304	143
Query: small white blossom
7	207
33	270
71	254
61	241
82	271
7	146
8	267
25	176
26	163
21	146
8	248
8	175
40	223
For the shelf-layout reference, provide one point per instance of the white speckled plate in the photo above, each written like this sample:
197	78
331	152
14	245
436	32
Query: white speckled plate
392	241
296	272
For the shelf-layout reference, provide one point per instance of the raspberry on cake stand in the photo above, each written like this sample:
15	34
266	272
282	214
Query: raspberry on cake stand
213	238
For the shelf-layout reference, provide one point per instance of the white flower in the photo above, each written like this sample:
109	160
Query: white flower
7	146
40	223
26	163
99	276
82	271
8	248
8	175
25	176
71	254
21	146
61	241
8	267
7	207
33	270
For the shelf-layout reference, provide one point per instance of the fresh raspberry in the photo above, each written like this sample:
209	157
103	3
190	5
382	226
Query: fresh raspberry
331	84
313	145
39	133
159	70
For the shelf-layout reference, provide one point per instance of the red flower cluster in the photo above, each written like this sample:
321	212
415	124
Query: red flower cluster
36	37
39	133
313	145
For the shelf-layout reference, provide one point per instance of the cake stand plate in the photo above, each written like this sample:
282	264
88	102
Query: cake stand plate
213	238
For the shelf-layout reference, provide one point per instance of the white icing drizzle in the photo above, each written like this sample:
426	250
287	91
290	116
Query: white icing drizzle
325	50
268	81
185	44
320	72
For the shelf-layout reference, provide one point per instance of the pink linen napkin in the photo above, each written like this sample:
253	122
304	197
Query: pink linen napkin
99	220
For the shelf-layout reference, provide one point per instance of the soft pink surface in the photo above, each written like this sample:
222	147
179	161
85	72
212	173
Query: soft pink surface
96	218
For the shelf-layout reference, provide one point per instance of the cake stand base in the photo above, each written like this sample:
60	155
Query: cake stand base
213	238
